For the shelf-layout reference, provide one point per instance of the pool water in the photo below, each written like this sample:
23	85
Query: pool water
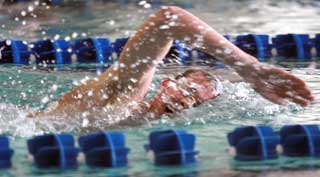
24	89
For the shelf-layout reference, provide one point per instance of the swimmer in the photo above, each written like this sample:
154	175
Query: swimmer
129	80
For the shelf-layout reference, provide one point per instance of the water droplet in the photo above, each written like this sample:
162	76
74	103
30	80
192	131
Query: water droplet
56	37
141	3
85	122
8	42
111	22
162	27
147	6
45	99
30	8
227	51
23	13
90	93
74	35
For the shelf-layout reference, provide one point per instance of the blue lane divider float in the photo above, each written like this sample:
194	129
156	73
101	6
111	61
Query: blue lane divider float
317	44
104	149
5	153
93	50
256	45
293	46
52	51
54	151
118	45
179	51
183	4
254	143
56	2
100	50
172	147
14	51
197	54
52	2
300	140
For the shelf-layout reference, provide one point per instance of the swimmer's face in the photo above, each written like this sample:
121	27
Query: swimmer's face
182	93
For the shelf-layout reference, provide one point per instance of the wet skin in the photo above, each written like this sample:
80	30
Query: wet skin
151	43
182	93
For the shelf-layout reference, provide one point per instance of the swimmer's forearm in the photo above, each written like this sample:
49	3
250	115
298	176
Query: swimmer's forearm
152	41
148	46
195	32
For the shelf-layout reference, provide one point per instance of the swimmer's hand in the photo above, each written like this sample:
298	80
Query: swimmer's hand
275	84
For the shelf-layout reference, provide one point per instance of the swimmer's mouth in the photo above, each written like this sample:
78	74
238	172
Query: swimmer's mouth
169	110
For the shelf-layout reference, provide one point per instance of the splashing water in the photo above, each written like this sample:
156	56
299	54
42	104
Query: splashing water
237	103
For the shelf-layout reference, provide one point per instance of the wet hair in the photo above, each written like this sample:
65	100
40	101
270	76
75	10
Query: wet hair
215	82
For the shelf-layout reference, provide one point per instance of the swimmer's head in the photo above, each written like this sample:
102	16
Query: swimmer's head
186	90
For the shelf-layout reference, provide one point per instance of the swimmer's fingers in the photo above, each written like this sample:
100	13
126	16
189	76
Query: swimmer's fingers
294	89
300	96
300	100
301	89
284	85
269	93
287	93
298	86
276	84
278	94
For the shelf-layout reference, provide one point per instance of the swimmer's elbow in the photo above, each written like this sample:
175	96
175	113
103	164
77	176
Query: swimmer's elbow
171	10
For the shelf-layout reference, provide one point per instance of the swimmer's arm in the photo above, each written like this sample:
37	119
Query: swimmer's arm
133	74
153	39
